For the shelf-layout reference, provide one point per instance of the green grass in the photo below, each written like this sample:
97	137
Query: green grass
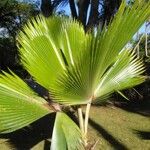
114	128
118	129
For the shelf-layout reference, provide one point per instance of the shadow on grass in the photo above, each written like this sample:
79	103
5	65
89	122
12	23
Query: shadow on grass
141	108
107	136
145	135
28	137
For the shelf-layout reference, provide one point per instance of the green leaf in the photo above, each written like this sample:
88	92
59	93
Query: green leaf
72	40
75	85
46	43
124	73
66	134
119	32
72	64
19	105
38	52
82	82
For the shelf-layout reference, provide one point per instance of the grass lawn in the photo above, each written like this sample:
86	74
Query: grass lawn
112	128
119	129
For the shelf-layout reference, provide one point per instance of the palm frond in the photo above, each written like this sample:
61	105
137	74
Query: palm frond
19	105
119	32
66	134
38	52
72	40
72	64
81	82
124	73
48	46
64	32
74	86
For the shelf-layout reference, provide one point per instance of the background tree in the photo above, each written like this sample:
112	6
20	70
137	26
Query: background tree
89	13
47	7
13	16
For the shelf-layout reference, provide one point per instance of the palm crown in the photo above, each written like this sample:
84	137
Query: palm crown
76	67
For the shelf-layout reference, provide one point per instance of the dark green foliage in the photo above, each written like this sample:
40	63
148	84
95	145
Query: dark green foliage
13	15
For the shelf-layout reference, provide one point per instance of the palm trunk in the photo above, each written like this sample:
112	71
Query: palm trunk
86	122
81	122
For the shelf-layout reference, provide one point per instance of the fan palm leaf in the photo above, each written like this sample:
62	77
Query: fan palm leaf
124	73
66	134
19	105
75	67
52	44
73	64
83	80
